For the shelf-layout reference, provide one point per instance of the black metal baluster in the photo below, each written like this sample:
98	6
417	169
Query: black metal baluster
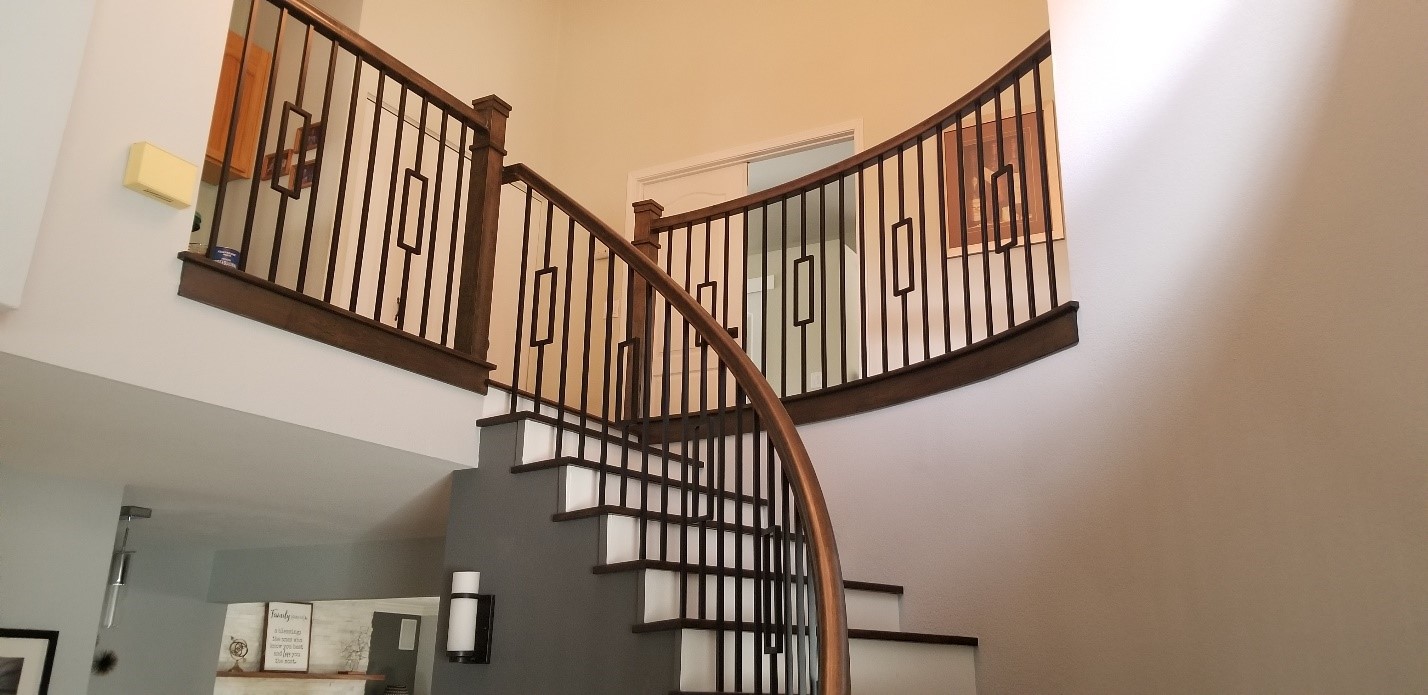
942	228
983	222
441	155
922	250
897	257
962	202
1022	181
405	297
516	349
247	243
377	109
883	260
223	173
462	161
1045	186
337	217
997	211
275	251
317	173
391	204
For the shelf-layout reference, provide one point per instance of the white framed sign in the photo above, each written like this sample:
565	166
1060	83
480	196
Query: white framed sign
287	637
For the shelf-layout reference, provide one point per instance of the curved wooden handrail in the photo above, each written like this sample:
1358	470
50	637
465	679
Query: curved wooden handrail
1037	51
830	607
344	36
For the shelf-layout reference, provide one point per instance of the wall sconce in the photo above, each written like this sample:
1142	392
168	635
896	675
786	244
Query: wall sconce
119	565
468	627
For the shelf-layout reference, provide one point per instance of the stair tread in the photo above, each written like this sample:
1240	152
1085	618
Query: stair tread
548	464
671	566
612	436
881	635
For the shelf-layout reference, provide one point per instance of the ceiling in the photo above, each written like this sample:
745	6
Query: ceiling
213	476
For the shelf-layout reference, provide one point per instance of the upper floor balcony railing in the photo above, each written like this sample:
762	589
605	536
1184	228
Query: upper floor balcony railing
890	269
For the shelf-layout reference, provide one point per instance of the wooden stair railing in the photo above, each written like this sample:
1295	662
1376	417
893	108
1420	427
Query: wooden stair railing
923	263
580	361
355	199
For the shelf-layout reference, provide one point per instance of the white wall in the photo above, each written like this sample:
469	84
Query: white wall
102	289
51	34
476	48
56	538
1222	489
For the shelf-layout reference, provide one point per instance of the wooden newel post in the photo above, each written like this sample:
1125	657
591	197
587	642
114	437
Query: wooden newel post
646	212
478	252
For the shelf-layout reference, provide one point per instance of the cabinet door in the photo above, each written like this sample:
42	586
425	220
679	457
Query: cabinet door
250	110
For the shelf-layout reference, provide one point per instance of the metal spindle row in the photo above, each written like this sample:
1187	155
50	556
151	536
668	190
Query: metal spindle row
358	191
634	388
900	256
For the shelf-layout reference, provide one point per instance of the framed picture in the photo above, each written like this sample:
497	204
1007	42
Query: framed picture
306	174
1001	184
308	138
287	637
276	164
26	659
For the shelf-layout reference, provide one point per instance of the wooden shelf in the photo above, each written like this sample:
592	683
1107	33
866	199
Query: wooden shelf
279	675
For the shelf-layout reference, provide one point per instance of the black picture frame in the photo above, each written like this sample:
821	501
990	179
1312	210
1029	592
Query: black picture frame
50	641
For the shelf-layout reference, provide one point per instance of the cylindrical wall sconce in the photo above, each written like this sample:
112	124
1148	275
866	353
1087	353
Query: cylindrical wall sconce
120	566
468	627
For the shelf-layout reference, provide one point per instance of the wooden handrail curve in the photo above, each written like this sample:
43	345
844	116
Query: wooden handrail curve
344	36
1037	51
830	607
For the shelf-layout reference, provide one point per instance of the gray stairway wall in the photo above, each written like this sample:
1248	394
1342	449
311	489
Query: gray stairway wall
560	629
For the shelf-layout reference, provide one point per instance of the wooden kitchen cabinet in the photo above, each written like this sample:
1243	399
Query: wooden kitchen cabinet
250	110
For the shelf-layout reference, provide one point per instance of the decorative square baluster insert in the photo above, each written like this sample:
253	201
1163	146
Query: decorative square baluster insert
293	189
546	280
413	248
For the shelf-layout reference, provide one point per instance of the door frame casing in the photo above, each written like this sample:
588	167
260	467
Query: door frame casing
788	144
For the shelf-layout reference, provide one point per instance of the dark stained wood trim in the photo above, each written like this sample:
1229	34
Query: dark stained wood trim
1040	337
344	36
659	517
884	635
919	637
1038	50
746	573
872	586
632	474
217	285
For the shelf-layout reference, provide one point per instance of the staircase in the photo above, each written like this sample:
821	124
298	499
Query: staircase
580	611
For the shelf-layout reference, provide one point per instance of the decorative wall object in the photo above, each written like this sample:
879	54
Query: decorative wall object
287	637
26	660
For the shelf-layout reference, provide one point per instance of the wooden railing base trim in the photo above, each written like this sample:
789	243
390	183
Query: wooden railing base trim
1045	335
212	283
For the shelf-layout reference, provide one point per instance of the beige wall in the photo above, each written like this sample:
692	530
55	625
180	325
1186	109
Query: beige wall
643	83
477	47
1224	487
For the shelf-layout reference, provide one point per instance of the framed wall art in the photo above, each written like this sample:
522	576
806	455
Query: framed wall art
287	637
27	658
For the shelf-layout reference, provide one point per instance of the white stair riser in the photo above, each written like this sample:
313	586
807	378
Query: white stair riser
539	444
879	667
659	600
580	489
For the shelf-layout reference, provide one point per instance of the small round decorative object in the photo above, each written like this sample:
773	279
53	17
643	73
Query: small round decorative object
238	649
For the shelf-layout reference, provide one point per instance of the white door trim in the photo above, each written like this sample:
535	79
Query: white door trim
789	144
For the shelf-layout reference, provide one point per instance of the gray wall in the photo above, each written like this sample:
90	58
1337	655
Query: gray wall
1224	487
371	569
56	537
167	631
